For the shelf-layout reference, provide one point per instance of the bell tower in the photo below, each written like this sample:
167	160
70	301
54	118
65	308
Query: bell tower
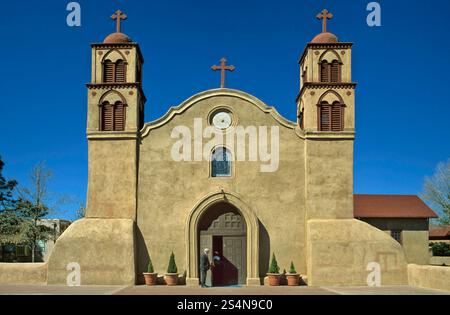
115	117
326	114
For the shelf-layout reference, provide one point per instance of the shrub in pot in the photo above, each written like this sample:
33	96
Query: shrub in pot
293	278
274	272
151	277
172	272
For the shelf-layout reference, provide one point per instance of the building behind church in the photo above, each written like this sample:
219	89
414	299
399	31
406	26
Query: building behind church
21	253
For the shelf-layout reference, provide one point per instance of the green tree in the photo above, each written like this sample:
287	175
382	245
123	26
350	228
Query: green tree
440	249
172	265
32	208
7	200
292	269
274	268
437	192
150	268
9	221
31	231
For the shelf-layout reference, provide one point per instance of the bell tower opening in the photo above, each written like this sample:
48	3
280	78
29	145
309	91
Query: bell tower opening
223	230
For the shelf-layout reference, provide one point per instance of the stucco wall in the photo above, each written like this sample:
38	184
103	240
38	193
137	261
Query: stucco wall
104	249
329	179
440	261
23	274
169	190
112	179
339	252
414	236
429	277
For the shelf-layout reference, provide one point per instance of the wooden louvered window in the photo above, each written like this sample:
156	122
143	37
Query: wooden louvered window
337	121
119	117
121	72
114	72
335	71
324	71
107	113
325	117
330	72
112	117
108	71
331	117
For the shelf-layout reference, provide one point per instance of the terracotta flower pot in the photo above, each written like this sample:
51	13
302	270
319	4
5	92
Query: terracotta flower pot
293	280
151	278
274	279
171	279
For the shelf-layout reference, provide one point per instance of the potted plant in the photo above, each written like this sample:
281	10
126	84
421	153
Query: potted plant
293	278
274	272
172	272
151	277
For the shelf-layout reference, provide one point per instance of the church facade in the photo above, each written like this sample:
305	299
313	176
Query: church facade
174	184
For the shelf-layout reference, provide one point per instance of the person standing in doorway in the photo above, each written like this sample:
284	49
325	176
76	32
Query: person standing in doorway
216	269
205	265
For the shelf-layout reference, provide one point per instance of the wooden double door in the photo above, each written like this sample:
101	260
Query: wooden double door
227	240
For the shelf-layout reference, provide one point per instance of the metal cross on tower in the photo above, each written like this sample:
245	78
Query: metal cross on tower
223	67
325	16
119	15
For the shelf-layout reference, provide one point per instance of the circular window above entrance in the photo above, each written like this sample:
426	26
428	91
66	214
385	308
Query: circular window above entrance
221	118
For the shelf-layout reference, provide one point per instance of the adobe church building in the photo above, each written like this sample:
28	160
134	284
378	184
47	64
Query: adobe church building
144	202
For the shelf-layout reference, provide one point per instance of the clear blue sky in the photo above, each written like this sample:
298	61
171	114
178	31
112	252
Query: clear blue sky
402	68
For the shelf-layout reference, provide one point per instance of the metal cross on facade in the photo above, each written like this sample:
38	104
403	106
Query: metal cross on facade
324	15
223	67
119	15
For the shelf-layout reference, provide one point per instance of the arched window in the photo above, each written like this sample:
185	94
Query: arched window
221	163
330	72
331	117
119	117
112	117
335	71
324	71
114	72
324	117
337	117
108	71
121	71
106	117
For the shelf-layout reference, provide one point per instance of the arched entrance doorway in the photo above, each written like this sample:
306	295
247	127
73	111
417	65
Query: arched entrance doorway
194	227
223	230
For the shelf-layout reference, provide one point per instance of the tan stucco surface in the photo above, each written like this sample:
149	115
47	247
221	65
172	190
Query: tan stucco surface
329	179
414	233
104	249
23	274
432	277
112	179
169	190
339	252
440	261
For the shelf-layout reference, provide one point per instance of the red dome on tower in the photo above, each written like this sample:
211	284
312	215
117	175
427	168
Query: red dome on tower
325	38
117	38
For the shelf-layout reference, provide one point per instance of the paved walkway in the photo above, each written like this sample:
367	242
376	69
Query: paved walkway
182	290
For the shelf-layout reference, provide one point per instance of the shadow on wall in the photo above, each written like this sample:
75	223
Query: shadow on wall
142	256
264	251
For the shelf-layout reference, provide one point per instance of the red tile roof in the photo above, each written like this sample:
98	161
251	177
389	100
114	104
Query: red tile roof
391	206
440	233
